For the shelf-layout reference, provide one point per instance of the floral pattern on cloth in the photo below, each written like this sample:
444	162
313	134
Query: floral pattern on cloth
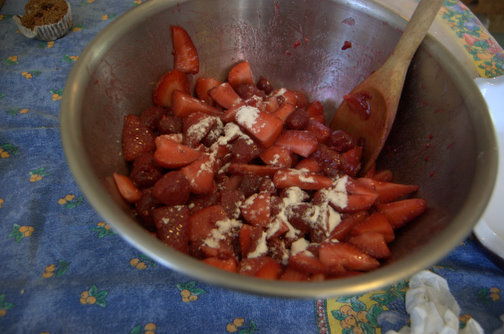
64	270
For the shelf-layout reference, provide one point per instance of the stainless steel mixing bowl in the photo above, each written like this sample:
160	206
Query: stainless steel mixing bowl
443	137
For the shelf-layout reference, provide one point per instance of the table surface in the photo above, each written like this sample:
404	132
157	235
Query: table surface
65	271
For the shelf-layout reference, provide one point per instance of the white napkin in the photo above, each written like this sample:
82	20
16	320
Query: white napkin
432	308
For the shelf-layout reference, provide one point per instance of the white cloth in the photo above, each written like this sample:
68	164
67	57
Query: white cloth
432	308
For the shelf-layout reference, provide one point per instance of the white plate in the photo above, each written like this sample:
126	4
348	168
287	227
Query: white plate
490	230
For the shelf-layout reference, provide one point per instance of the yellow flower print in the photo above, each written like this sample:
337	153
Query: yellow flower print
27	75
137	2
12	60
19	232
50	44
90	1
189	291
6	150
55	269
4	305
70	201
94	296
37	174
104	17
1	202
4	154
150	328
142	262
239	324
495	294
103	230
26	230
23	111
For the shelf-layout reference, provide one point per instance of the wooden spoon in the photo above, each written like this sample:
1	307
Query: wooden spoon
369	110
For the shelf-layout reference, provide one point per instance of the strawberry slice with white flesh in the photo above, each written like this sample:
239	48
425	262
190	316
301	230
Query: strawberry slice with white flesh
185	55
240	74
170	81
171	154
184	104
262	126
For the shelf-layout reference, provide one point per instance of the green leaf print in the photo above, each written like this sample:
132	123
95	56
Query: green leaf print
136	330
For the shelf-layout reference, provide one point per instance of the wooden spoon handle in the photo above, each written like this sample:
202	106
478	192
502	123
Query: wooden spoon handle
417	28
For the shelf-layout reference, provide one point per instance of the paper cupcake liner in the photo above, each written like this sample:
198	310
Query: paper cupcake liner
48	32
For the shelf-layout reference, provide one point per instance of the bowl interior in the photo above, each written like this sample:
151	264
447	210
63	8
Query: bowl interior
442	139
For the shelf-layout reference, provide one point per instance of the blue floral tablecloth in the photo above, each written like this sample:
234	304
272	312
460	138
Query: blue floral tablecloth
63	270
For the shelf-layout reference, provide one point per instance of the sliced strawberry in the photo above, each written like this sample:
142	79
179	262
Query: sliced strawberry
371	171
126	188
144	207
262	126
199	202
347	255
184	52
151	116
172	189
306	262
342	230
170	81
203	221
300	142
249	237
315	111
309	164
184	104
277	156
256	209
320	131
291	274
359	198
297	120
284	111
244	150
240	74
263	267
246	169
333	163
196	126
231	200
301	216
137	138
383	175
250	184
401	212
200	175
172	223
203	85
230	264
145	172
271	104
229	114
285	96
171	154
301	99
371	243
225	96
303	179
388	191
169	124
376	222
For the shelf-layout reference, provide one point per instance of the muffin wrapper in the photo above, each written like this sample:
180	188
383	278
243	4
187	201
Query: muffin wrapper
48	32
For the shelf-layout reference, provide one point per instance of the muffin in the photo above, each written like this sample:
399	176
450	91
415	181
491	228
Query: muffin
45	19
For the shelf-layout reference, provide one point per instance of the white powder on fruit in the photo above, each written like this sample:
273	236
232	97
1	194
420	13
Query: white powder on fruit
261	248
246	116
299	246
200	129
221	230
